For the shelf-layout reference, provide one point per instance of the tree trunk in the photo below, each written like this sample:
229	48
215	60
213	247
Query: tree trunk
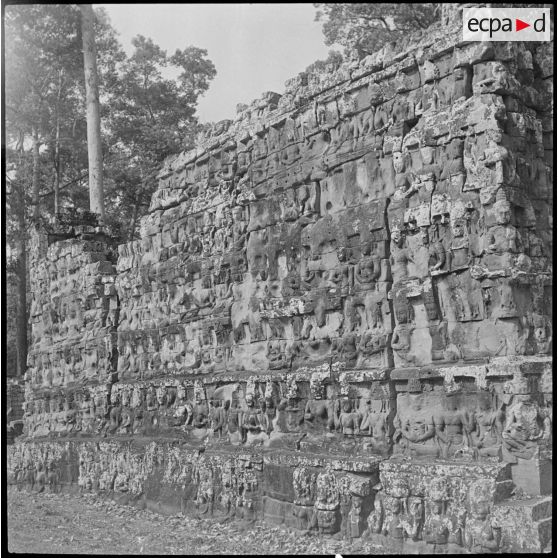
136	208
22	311
57	149
21	271
35	186
96	197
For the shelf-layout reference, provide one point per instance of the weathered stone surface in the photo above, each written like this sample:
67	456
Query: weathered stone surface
526	524
337	316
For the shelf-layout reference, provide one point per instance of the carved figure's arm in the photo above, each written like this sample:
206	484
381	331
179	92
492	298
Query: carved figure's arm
491	540
397	433
356	422
490	242
308	411
430	432
499	423
439	424
510	419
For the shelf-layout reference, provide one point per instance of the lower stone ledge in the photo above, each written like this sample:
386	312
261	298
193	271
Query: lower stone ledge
395	505
387	545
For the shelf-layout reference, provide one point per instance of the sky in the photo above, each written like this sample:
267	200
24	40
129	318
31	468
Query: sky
255	47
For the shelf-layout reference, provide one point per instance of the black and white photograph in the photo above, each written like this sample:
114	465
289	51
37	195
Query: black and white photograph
278	278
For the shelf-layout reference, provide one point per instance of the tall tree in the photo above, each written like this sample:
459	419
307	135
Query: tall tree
32	45
151	116
366	27
17	204
94	146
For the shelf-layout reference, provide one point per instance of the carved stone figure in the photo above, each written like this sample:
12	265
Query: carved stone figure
414	424
439	527
203	476
525	428
182	409
488	425
217	417
304	486
376	422
375	519
234	419
318	412
393	524
251	419
200	410
355	517
349	420
414	520
400	258
503	239
327	502
452	428
481	534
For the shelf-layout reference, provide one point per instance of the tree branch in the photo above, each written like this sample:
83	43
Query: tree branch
78	179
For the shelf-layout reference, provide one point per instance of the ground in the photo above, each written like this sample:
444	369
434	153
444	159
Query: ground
67	524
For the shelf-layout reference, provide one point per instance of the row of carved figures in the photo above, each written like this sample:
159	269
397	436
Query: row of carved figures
433	520
419	424
448	234
399	517
344	120
330	506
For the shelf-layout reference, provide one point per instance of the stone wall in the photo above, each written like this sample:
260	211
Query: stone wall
11	306
338	316
74	314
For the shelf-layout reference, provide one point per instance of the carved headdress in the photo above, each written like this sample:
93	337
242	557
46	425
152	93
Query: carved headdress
501	202
438	490
480	491
199	391
519	385
250	388
292	388
317	384
399	487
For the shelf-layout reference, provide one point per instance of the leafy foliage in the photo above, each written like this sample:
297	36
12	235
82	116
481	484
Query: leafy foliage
334	59
45	95
366	27
148	117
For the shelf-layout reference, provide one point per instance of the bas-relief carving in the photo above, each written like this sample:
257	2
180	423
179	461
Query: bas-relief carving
392	222
476	425
481	533
423	422
257	415
527	427
437	514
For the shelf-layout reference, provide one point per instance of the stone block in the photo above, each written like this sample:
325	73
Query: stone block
533	476
526	524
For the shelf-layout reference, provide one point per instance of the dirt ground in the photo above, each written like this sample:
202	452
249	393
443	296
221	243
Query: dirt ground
64	524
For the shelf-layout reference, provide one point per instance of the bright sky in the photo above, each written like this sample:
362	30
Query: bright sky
255	47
